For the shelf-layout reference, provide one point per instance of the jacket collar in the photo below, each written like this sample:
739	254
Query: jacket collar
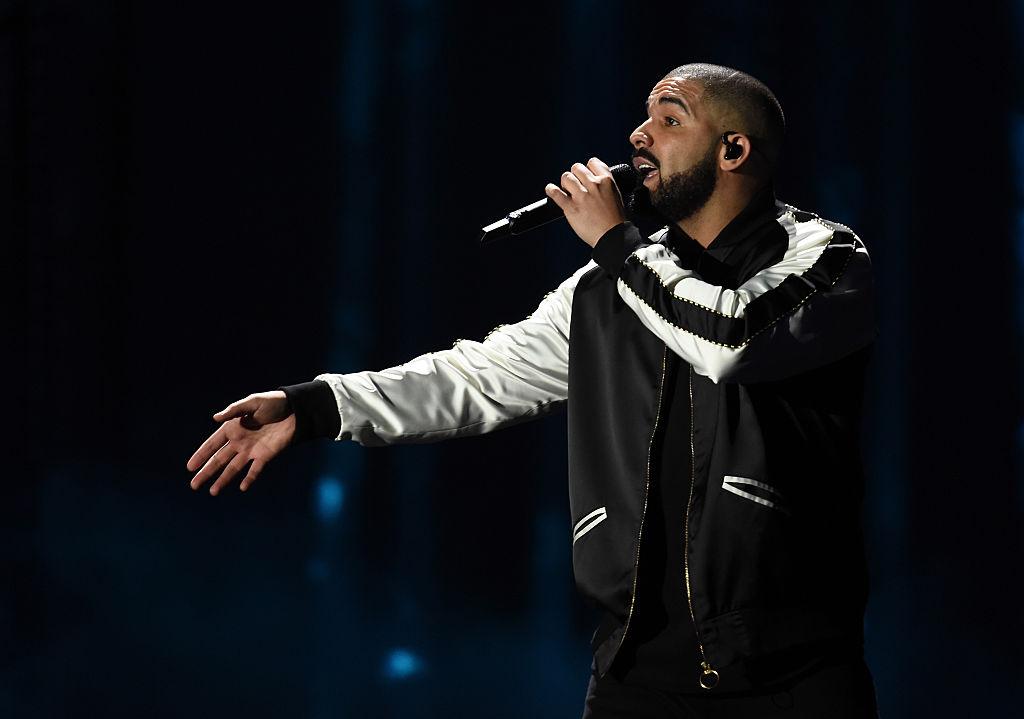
762	209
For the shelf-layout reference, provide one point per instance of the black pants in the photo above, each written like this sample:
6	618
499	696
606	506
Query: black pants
840	691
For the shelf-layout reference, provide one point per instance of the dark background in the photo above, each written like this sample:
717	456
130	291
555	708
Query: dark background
206	200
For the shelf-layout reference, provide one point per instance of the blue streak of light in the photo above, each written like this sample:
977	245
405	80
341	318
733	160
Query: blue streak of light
330	496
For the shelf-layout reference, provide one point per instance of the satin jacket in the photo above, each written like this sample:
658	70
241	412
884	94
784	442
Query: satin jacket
774	322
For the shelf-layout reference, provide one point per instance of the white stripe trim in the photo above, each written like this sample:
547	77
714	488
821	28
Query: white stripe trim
807	241
601	515
599	510
747	495
837	318
754	482
590	526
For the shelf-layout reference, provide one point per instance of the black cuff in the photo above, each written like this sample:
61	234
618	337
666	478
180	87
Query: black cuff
315	408
616	245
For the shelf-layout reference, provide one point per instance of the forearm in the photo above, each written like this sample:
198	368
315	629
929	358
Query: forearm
469	389
517	372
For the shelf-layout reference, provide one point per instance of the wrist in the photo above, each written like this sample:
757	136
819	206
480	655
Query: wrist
315	410
615	246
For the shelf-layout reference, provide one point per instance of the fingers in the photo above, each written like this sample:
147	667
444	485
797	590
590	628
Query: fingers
235	466
582	173
603	174
236	409
213	443
556	194
221	457
254	472
581	179
572	182
562	196
599	168
226	456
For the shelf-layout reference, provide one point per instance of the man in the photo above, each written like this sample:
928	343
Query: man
716	369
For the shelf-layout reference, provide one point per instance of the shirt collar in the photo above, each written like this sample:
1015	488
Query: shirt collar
761	209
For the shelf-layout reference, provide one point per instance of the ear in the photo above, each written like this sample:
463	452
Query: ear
740	140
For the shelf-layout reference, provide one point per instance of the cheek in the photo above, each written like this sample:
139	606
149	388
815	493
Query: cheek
672	166
675	156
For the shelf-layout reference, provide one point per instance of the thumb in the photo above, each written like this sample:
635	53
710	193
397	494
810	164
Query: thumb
237	409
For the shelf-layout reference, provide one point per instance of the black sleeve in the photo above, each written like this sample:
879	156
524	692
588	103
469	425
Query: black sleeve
316	410
615	245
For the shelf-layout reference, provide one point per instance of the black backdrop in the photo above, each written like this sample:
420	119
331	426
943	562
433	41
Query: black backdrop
206	200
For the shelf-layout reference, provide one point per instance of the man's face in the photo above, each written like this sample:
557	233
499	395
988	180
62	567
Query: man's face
680	140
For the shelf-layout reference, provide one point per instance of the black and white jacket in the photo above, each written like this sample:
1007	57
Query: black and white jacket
774	323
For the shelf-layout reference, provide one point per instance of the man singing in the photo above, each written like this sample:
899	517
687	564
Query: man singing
717	370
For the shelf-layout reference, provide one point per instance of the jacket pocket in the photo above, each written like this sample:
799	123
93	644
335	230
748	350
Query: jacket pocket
588	522
769	497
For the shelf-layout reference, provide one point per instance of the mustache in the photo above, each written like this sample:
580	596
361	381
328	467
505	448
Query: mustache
647	156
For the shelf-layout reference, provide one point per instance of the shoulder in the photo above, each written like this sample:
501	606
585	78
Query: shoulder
806	228
817	251
826	253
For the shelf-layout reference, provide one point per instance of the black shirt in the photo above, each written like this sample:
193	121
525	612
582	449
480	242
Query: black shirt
661	646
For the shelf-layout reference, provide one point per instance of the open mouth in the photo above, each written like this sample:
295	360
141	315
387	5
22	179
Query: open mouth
645	167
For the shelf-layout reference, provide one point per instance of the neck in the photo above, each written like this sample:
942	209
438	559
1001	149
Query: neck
708	222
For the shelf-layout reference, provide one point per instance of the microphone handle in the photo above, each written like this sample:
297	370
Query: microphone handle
522	220
544	211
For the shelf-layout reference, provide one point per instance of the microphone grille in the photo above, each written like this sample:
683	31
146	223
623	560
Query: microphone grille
626	177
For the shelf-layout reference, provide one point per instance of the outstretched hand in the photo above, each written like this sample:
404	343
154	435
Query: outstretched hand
255	429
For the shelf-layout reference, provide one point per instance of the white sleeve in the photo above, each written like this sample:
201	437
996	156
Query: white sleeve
516	373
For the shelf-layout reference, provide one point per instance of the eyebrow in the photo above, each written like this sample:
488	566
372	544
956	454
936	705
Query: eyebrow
663	100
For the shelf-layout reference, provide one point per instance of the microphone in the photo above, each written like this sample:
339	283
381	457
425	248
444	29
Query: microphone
544	211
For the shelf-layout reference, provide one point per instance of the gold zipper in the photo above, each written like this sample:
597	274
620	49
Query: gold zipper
708	676
647	484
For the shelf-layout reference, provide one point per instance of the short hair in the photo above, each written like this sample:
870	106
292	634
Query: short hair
743	102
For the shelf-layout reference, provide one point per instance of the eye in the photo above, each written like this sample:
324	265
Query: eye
669	117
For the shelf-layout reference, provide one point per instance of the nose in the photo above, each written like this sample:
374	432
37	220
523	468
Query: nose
639	137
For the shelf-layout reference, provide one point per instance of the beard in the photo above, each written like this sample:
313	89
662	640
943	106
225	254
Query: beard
679	196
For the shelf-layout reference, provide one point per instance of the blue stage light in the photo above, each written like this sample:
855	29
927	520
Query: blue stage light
401	663
330	495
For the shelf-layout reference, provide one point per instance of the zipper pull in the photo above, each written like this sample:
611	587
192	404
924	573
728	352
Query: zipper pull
708	676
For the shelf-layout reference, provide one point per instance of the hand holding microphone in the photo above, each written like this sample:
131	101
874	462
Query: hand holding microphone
590	198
